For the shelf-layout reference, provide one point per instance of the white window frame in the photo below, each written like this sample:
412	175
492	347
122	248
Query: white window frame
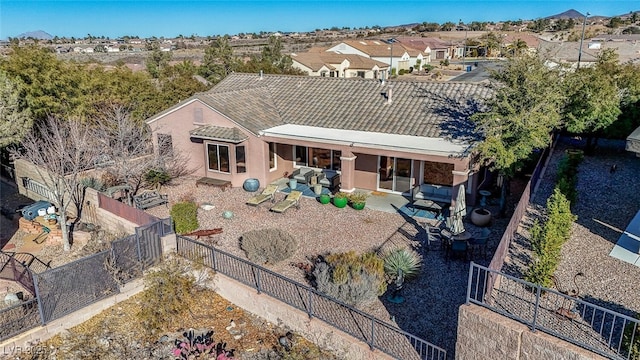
218	152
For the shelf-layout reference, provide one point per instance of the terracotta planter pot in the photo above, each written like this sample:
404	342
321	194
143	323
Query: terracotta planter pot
481	217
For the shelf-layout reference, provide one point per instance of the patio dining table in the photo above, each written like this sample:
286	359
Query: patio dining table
427	205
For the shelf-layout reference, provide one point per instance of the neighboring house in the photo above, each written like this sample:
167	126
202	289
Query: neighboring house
434	49
399	56
329	64
509	42
384	136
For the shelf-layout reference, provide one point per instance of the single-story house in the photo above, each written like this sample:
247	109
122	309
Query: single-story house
391	52
434	49
322	63
377	135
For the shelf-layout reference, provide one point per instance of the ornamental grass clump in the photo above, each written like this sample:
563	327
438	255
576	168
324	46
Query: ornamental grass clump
268	246
357	280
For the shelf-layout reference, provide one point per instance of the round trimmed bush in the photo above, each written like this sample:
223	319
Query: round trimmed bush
268	245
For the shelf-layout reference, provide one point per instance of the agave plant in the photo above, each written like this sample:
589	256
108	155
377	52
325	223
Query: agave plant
403	259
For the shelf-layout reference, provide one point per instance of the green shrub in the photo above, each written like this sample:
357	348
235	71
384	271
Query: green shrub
341	195
91	182
402	72
358	197
268	245
354	279
403	259
185	217
166	296
547	239
567	174
428	67
156	177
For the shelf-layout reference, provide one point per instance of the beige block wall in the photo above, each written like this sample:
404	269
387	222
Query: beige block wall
276	312
484	334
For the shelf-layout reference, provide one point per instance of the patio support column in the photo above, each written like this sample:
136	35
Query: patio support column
348	171
460	178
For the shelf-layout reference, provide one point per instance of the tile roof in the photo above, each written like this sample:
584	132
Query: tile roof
315	60
211	132
378	48
427	109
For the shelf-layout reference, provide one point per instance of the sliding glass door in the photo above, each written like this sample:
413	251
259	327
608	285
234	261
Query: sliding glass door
394	174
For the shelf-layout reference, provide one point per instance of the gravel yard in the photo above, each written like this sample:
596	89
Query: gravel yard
606	204
431	307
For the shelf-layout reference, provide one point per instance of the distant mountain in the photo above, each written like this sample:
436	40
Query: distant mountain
569	14
39	34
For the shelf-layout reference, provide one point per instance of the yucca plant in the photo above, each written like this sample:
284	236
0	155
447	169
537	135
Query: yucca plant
403	259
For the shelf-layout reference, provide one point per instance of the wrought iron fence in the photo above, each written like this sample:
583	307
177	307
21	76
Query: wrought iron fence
72	286
603	331
19	318
37	188
376	333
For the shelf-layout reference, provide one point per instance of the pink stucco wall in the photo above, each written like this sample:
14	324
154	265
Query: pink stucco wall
182	120
359	164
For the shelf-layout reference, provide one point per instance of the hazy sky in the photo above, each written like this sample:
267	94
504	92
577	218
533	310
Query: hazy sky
170	18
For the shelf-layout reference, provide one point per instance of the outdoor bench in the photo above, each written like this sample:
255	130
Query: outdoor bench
149	199
437	193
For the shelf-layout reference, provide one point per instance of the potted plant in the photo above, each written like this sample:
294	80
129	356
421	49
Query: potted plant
358	199
340	199
480	216
325	199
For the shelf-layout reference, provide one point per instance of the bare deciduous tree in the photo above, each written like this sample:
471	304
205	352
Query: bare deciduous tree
127	147
61	149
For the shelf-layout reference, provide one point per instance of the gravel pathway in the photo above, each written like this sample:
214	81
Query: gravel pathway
606	204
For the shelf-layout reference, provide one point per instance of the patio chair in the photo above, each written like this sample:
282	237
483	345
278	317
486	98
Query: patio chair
303	175
459	248
293	199
267	194
480	242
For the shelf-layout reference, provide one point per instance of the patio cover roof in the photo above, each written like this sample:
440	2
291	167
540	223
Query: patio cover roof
633	142
628	246
409	143
211	132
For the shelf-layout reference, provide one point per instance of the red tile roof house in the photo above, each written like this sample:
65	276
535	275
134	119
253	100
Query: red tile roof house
382	136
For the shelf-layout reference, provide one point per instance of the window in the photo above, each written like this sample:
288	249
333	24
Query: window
218	157
324	158
361	74
323	73
241	166
437	173
300	153
272	156
165	144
